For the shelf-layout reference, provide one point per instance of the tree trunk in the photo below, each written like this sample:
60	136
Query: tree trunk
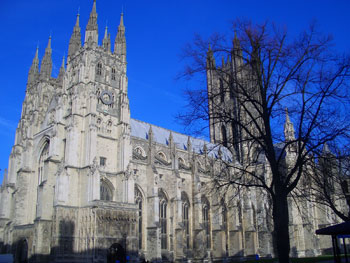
281	226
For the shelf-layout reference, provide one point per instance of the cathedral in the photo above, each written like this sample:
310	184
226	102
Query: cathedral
88	183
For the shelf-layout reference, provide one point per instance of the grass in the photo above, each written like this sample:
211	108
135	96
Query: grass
294	260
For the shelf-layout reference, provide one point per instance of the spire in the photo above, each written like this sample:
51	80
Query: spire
189	144
288	128
5	178
171	139
120	43
46	63
210	58
75	40
325	149
34	68
106	42
150	134
62	71
91	32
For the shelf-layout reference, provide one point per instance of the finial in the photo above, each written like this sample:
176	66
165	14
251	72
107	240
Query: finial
63	60
121	19
37	51
78	11
287	115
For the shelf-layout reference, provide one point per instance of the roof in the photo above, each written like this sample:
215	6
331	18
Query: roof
140	129
339	229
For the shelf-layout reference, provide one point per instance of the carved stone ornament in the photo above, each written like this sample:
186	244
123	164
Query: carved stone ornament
183	166
161	161
94	165
106	97
138	154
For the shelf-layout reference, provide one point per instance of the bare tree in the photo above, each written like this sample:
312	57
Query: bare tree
328	181
245	100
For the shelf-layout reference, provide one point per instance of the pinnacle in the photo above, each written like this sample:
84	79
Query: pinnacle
287	116
49	43
77	21
121	19
63	62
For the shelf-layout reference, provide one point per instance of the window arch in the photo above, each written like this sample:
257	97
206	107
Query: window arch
222	91
163	203
43	156
113	74
138	202
99	69
224	223
206	220
185	218
224	135
106	193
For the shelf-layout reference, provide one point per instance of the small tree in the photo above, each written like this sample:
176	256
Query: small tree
244	103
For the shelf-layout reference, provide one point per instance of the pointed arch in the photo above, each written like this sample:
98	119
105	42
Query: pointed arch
163	218
139	203
44	154
185	218
106	190
206	221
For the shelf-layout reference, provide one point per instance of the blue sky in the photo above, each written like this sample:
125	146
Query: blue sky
156	31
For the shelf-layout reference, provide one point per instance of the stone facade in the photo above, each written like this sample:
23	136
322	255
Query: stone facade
86	183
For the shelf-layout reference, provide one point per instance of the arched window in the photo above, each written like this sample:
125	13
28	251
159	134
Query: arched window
224	223
105	192
224	135
113	74
185	218
206	221
222	91
163	203
138	202
43	156
99	69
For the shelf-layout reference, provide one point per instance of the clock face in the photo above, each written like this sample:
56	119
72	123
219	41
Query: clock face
106	97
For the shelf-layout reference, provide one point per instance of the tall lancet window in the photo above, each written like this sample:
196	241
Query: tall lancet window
222	91
224	223
138	202
99	69
163	203
43	156
185	218
206	221
224	135
105	192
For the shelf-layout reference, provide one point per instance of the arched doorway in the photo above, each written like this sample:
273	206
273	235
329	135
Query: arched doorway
116	253
22	251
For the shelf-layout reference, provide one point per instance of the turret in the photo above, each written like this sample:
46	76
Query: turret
34	68
288	129
210	59
62	71
120	42
106	42
237	57
75	40
91	32
46	63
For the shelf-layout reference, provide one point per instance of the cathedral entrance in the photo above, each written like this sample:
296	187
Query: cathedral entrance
116	254
22	251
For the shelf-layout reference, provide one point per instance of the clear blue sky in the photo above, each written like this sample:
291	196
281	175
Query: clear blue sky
156	31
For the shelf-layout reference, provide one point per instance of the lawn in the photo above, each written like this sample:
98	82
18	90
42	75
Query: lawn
294	260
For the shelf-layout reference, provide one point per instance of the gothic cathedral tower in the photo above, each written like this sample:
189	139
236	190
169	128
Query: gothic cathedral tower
71	154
